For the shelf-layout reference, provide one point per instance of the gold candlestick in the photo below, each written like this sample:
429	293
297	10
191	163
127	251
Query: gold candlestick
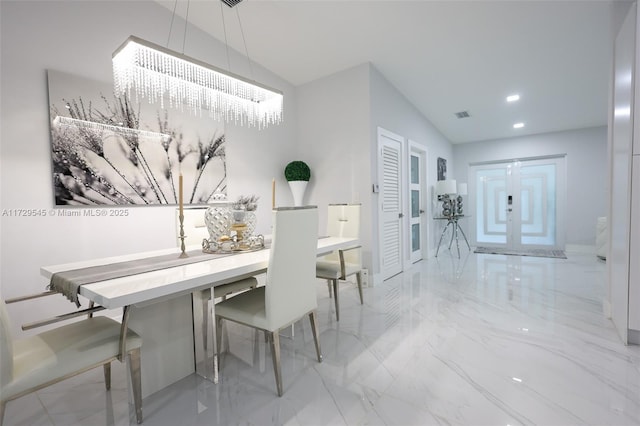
182	237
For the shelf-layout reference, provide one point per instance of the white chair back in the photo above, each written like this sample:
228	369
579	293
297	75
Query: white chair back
195	229
290	290
6	347
343	220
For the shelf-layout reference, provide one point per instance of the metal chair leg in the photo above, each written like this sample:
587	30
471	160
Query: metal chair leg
136	382
2	405
107	375
359	280
274	338
314	329
335	297
329	287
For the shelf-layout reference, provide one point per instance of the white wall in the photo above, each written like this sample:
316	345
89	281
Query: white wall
333	138
337	135
587	176
78	38
392	111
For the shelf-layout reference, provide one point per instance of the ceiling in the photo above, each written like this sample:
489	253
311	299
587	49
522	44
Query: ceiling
444	56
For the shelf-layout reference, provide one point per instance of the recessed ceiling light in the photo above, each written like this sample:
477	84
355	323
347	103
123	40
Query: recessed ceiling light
518	125
513	98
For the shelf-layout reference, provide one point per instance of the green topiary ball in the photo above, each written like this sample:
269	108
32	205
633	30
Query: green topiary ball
297	170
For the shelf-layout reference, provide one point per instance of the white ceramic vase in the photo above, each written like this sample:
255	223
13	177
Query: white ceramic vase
297	190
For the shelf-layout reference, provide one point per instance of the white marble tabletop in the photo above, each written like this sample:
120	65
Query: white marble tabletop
151	287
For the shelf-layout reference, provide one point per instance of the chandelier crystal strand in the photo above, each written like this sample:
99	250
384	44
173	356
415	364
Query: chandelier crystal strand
155	72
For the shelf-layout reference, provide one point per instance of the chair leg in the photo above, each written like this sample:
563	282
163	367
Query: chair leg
274	338
107	375
329	287
136	382
335	297
314	329
2	405
359	280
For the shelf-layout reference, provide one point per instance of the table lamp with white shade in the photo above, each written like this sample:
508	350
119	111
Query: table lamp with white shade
446	187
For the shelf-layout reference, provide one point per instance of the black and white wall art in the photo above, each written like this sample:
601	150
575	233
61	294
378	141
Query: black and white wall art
109	150
442	168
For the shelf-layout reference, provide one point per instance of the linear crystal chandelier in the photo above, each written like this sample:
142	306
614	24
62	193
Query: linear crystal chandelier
155	72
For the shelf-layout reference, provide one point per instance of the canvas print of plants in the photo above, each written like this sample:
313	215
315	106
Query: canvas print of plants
109	150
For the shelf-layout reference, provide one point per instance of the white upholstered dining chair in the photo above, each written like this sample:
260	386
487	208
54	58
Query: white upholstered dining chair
35	362
343	220
289	293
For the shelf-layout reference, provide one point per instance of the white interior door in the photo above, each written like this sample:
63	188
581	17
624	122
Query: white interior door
390	203
520	204
417	234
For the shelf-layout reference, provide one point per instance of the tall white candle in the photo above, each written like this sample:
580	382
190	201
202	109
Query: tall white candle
273	194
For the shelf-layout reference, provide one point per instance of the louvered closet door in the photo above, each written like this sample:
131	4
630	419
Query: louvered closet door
390	172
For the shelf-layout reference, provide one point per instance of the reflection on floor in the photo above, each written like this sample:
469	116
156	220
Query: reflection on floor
481	340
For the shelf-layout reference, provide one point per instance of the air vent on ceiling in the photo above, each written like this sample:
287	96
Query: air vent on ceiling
231	3
462	114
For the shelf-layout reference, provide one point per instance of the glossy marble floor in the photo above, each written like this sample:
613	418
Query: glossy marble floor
484	340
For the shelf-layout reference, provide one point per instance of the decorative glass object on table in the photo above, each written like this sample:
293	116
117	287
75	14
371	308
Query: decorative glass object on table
231	225
238	224
248	206
218	220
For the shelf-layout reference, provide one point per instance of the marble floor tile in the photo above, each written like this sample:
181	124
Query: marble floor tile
480	340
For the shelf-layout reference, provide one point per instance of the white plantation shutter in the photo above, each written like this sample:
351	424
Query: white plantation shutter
391	202
391	179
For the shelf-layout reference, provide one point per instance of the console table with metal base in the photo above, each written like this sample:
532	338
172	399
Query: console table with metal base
453	222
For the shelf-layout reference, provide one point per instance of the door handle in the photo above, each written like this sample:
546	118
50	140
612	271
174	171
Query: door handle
421	211
400	215
509	210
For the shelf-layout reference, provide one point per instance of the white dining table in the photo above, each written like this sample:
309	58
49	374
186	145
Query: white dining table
161	306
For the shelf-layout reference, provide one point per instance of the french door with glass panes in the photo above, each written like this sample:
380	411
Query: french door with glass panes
519	204
416	219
